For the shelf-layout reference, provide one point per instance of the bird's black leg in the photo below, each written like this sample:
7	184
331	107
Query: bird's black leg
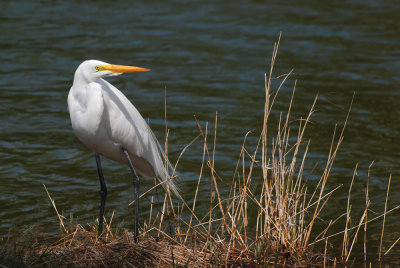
136	190
103	192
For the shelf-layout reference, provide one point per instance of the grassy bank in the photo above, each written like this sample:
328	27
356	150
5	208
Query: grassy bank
268	217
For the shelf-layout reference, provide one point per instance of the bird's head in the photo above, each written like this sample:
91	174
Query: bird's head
91	70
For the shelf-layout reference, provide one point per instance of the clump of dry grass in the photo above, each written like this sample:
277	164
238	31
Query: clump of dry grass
269	182
83	247
268	217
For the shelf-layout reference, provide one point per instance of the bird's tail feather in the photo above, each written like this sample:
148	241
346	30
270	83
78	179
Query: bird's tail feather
163	169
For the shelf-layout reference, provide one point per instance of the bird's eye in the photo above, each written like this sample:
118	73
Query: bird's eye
100	68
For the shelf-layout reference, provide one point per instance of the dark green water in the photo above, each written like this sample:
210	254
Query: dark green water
211	56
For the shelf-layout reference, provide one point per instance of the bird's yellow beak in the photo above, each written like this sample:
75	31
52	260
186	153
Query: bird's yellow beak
121	68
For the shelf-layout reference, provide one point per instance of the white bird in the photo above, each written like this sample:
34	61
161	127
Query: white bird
107	122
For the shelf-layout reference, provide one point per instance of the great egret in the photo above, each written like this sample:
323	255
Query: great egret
108	123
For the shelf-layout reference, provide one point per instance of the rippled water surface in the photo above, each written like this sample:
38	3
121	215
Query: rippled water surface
210	56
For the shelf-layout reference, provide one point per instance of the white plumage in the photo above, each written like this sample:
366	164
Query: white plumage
106	121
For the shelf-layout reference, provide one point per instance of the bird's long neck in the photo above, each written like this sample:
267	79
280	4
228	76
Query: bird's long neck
86	106
80	80
81	89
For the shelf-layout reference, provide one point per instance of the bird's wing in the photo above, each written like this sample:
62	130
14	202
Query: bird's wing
129	129
127	126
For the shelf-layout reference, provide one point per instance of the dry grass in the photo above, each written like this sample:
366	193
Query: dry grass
267	218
